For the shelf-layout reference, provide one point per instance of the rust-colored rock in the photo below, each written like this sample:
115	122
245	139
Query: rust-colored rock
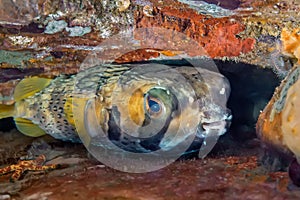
273	121
54	37
6	92
232	177
216	35
57	35
269	130
291	43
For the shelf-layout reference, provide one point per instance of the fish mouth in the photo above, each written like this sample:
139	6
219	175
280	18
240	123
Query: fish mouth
212	128
219	125
208	133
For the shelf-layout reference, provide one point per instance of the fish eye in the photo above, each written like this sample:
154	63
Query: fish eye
153	105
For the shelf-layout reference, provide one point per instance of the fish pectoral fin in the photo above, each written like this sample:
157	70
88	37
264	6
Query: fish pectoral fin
28	128
7	111
29	86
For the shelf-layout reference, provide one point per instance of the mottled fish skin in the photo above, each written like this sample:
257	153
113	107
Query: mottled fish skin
52	108
211	94
47	108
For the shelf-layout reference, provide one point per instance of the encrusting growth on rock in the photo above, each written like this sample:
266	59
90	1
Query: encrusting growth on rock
291	43
27	165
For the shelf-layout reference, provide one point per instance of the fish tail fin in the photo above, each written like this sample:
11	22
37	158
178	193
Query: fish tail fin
7	111
27	87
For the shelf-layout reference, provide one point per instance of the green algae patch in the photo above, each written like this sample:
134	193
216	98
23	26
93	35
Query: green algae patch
15	57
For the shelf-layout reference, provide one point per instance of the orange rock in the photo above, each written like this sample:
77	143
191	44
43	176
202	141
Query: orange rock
277	124
218	36
291	43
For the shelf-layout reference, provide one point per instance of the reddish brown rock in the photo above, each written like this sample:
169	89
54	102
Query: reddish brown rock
216	35
275	119
30	46
237	37
233	178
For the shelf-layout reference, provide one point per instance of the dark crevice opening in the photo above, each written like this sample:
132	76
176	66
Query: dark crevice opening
251	89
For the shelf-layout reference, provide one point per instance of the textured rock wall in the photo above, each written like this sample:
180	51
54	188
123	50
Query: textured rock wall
51	37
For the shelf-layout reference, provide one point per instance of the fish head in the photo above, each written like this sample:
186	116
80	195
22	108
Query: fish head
144	117
156	107
212	91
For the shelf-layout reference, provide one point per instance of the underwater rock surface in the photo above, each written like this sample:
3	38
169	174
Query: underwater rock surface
53	37
278	124
233	175
273	121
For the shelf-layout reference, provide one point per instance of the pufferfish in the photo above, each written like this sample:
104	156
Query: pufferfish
140	110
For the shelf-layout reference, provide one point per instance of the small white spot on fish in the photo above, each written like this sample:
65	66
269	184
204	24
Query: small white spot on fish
222	91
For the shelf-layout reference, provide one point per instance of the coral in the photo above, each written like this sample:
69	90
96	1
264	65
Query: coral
291	42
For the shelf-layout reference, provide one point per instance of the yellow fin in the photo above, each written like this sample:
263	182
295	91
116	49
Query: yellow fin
28	128
7	111
29	86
